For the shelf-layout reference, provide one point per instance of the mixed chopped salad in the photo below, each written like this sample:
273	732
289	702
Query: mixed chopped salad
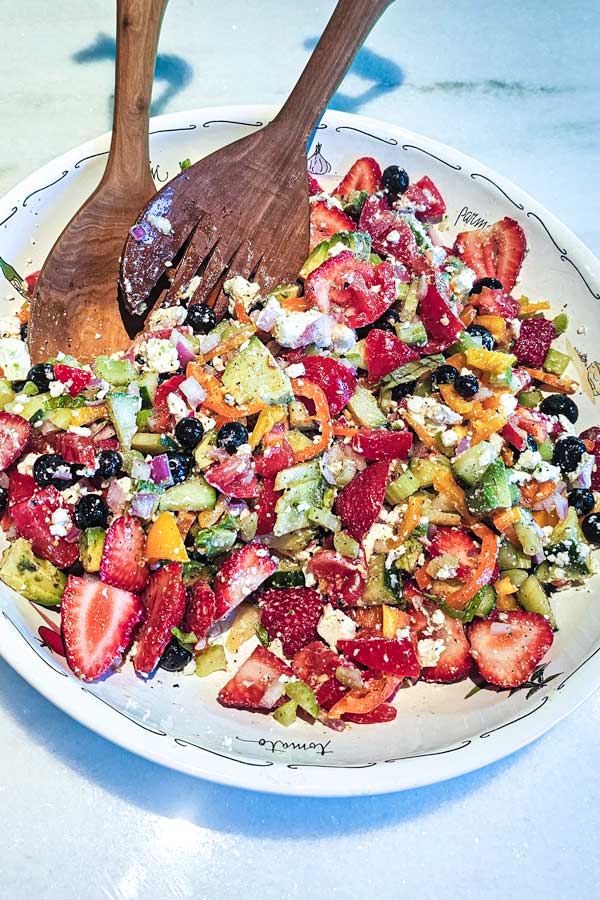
362	480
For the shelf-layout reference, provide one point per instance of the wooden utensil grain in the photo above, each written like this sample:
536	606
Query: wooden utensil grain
244	209
75	306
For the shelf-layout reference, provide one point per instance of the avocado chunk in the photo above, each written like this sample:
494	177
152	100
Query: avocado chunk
34	578
253	374
358	242
492	492
91	545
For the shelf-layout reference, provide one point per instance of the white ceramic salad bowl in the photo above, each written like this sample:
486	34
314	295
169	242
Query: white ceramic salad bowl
440	732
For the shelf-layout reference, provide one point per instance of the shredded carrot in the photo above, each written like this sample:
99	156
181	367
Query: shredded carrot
240	336
22	314
408	523
506	518
185	520
305	388
553	381
340	430
444	483
215	400
241	314
467	315
423	578
528	308
483	571
485	428
535	492
295	304
471	409
496	325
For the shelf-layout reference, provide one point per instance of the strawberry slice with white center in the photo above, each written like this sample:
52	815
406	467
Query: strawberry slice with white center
390	232
457	543
325	221
235	476
165	603
494	252
97	623
509	645
257	684
364	175
353	292
442	645
75	380
123	562
240	575
14	435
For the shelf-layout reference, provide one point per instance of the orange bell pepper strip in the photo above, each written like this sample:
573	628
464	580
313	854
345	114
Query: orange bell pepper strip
543	517
444	483
214	395
22	313
185	520
393	620
485	428
364	700
458	360
304	388
164	540
506	518
553	381
420	430
423	578
340	430
410	520
234	341
483	571
534	492
471	409
368	616
295	304
467	315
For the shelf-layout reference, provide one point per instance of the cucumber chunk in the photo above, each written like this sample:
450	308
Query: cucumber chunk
119	372
365	410
193	494
533	598
471	465
123	410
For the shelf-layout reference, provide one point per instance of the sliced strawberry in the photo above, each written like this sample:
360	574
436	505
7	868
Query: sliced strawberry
123	562
535	423
267	501
363	175
329	692
97	623
240	575
234	477
458	543
359	503
496	303
508	646
257	684
75	380
33	519
515	436
533	343
315	664
291	614
165	603
494	252
427	200
20	487
353	292
390	656
379	443
340	578
313	186
200	609
75	448
390	232
14	435
384	352
325	221
440	322
337	381
385	712
455	661
277	453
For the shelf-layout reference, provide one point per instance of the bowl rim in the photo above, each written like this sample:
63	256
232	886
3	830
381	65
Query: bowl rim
318	780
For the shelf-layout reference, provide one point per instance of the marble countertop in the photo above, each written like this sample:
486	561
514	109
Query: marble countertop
515	85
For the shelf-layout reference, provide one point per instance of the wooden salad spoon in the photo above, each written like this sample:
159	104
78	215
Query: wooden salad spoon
243	209
75	308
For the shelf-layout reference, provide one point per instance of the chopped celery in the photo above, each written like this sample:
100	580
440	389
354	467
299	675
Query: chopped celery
556	362
412	333
286	713
212	659
530	399
116	371
300	693
402	487
308	471
417	369
364	408
325	518
561	323
410	301
7	395
346	545
248	526
263	635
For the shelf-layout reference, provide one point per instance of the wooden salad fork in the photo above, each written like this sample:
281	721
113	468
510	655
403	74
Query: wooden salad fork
75	307
244	209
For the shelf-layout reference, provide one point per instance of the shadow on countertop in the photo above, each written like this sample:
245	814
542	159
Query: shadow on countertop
228	810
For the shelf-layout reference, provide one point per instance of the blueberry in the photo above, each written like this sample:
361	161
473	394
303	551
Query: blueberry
394	181
444	375
17	386
403	390
175	657
41	375
3	500
559	405
76	569
478	331
581	500
466	386
591	528
24	331
91	511
189	432
165	376
201	318
568	453
231	436
51	469
109	463
492	283
180	465
388	320
531	445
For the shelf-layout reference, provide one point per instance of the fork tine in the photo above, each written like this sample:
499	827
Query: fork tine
201	245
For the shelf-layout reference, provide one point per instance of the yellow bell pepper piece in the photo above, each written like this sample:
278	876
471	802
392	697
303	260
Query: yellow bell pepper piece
496	325
267	417
489	360
164	540
87	414
393	620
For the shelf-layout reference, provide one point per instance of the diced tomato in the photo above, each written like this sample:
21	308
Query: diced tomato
385	712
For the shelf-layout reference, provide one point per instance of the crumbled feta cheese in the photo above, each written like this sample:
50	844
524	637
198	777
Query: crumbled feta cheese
429	651
438	255
297	329
342	337
334	625
207	422
160	223
547	472
445	321
177	406
517	476
187	292
515	327
296	370
437	617
57	388
393	237
14	359
239	290
529	459
166	317
61	523
25	465
160	355
81	430
508	404
427	408
218	364
126	485
449	438
9	326
463	281
380	531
